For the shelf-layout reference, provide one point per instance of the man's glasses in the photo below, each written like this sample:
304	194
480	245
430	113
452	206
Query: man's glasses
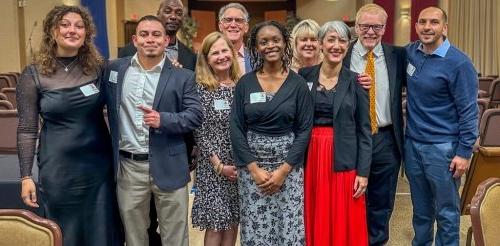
229	20
366	27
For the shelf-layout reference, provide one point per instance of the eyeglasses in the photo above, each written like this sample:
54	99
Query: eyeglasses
229	20
366	27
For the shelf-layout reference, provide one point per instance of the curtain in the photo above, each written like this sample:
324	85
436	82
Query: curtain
473	28
97	9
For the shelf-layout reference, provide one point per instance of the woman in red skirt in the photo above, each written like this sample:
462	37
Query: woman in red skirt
339	155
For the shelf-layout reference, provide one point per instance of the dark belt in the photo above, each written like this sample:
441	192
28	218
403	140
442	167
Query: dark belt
135	157
385	128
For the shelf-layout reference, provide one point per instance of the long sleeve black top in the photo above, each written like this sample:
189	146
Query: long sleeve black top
290	110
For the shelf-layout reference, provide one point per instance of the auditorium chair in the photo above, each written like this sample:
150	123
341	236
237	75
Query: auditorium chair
5	105
4	82
485	161
484	86
482	104
3	97
23	228
8	131
485	213
11	95
494	92
489	129
13	78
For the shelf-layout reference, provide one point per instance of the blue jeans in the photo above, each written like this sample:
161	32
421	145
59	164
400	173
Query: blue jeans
434	192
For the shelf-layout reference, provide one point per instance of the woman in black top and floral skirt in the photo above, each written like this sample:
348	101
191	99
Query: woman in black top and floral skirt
271	122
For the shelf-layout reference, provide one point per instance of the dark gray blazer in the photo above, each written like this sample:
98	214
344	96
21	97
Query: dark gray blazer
187	58
353	142
395	58
178	103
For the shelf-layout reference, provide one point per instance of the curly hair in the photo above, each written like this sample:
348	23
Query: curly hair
256	58
88	56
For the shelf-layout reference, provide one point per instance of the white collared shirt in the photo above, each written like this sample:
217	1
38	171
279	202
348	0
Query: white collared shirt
382	90
241	59
139	88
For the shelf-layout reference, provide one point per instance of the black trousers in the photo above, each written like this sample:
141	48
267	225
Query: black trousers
382	182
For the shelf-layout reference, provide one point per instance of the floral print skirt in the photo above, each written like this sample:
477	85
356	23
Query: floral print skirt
277	219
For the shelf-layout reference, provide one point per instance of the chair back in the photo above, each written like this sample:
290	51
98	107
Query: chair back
4	82
8	131
482	104
489	129
13	78
11	95
485	213
23	228
6	105
484	83
494	92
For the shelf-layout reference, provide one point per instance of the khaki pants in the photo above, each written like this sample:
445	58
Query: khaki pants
134	189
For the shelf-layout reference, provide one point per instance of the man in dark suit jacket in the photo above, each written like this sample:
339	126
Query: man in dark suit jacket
233	23
171	13
387	146
151	105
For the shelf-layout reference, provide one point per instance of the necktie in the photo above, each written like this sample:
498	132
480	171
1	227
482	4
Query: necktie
370	70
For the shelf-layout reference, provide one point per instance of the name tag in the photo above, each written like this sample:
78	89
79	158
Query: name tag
257	97
221	104
410	69
89	90
310	85
113	77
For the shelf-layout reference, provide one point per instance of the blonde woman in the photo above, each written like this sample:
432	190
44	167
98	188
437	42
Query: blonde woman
215	207
306	49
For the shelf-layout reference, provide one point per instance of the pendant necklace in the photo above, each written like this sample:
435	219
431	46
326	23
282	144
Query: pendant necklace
67	67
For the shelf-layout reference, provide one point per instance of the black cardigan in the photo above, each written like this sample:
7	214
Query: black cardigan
351	121
290	110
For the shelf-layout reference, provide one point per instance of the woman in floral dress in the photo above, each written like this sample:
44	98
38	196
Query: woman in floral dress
215	206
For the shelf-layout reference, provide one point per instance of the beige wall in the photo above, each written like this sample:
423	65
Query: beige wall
323	11
402	24
9	45
111	25
140	8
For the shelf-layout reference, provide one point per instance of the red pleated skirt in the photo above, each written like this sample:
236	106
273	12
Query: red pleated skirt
332	215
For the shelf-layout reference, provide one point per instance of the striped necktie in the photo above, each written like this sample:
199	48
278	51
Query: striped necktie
370	70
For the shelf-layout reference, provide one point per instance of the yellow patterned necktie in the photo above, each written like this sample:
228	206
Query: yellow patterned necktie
370	70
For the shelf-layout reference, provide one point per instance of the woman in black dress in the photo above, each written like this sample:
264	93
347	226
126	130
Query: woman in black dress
271	122
74	152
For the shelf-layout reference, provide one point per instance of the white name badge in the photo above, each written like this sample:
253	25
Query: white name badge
310	85
221	104
113	76
89	90
257	97
410	69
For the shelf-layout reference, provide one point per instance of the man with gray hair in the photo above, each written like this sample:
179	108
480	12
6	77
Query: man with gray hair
386	65
233	23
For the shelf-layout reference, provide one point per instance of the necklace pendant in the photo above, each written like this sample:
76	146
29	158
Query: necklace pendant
66	69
